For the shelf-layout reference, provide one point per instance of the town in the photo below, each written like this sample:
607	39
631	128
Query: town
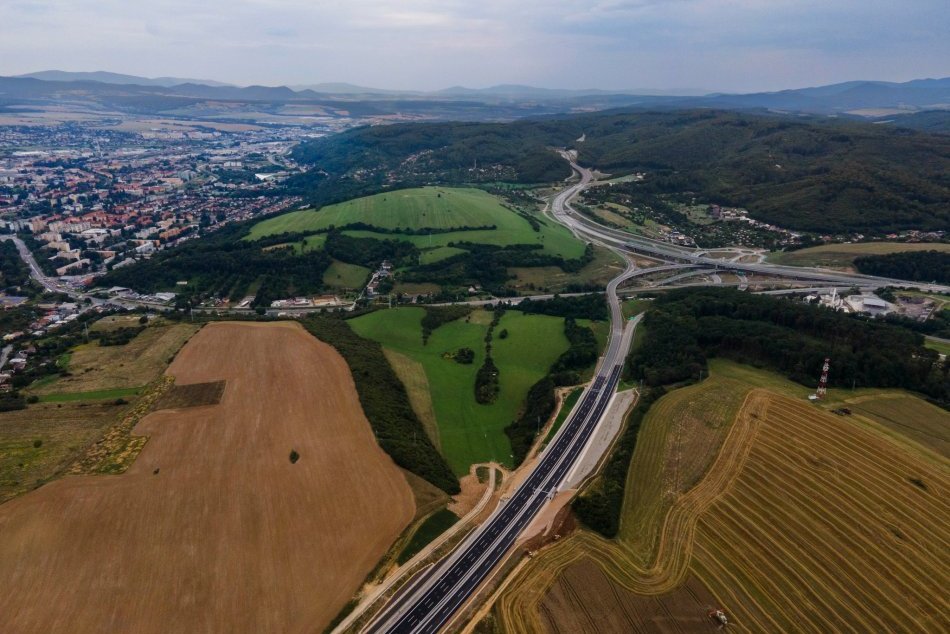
87	200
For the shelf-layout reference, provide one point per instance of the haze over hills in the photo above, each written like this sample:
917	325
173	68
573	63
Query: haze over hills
861	96
118	78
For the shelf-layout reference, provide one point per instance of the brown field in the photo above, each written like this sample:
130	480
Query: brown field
141	361
65	430
804	521
212	529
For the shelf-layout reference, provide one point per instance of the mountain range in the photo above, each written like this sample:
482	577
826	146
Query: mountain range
875	100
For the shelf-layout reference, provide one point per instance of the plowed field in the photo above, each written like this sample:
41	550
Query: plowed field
213	529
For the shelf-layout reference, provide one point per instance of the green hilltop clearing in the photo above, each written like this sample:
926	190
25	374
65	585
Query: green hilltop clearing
467	431
441	209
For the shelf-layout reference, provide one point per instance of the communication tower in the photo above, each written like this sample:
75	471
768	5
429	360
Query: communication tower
823	382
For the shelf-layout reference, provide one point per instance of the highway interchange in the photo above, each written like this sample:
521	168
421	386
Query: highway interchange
429	602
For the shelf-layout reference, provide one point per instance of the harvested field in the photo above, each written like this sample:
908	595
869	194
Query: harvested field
139	362
909	416
680	437
805	521
213	528
567	609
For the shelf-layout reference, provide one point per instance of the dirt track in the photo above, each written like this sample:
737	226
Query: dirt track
229	536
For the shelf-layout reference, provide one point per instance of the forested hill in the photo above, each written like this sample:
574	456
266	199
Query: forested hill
811	174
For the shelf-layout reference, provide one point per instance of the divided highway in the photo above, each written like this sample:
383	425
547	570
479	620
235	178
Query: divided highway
430	602
632	243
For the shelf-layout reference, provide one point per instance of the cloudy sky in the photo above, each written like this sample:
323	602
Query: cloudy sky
727	45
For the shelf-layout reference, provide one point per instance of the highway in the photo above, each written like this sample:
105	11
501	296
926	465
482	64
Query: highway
430	602
633	243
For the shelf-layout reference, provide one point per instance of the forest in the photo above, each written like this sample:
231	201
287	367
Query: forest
805	173
222	265
917	266
686	327
13	271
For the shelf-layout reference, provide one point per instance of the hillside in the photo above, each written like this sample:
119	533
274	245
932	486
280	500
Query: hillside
801	173
441	241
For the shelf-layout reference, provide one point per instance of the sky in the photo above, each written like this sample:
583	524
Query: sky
669	45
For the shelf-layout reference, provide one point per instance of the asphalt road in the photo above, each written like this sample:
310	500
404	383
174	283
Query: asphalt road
654	248
430	602
36	272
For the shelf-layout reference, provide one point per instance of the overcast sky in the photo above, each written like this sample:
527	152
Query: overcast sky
721	45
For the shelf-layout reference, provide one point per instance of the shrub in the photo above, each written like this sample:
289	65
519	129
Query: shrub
294	456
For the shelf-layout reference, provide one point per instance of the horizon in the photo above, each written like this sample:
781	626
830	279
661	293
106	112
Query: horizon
308	85
672	46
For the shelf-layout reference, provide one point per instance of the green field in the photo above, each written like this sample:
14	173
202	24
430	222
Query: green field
93	395
433	526
936	344
843	255
343	275
427	207
469	432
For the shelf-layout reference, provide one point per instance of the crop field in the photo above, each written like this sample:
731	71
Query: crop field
843	255
93	367
467	431
803	521
214	527
343	275
63	431
424	207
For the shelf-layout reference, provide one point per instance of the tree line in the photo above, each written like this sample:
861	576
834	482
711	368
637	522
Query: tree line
917	266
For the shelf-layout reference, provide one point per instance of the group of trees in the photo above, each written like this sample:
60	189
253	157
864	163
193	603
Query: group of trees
917	266
225	266
589	306
385	403
686	327
13	270
487	265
